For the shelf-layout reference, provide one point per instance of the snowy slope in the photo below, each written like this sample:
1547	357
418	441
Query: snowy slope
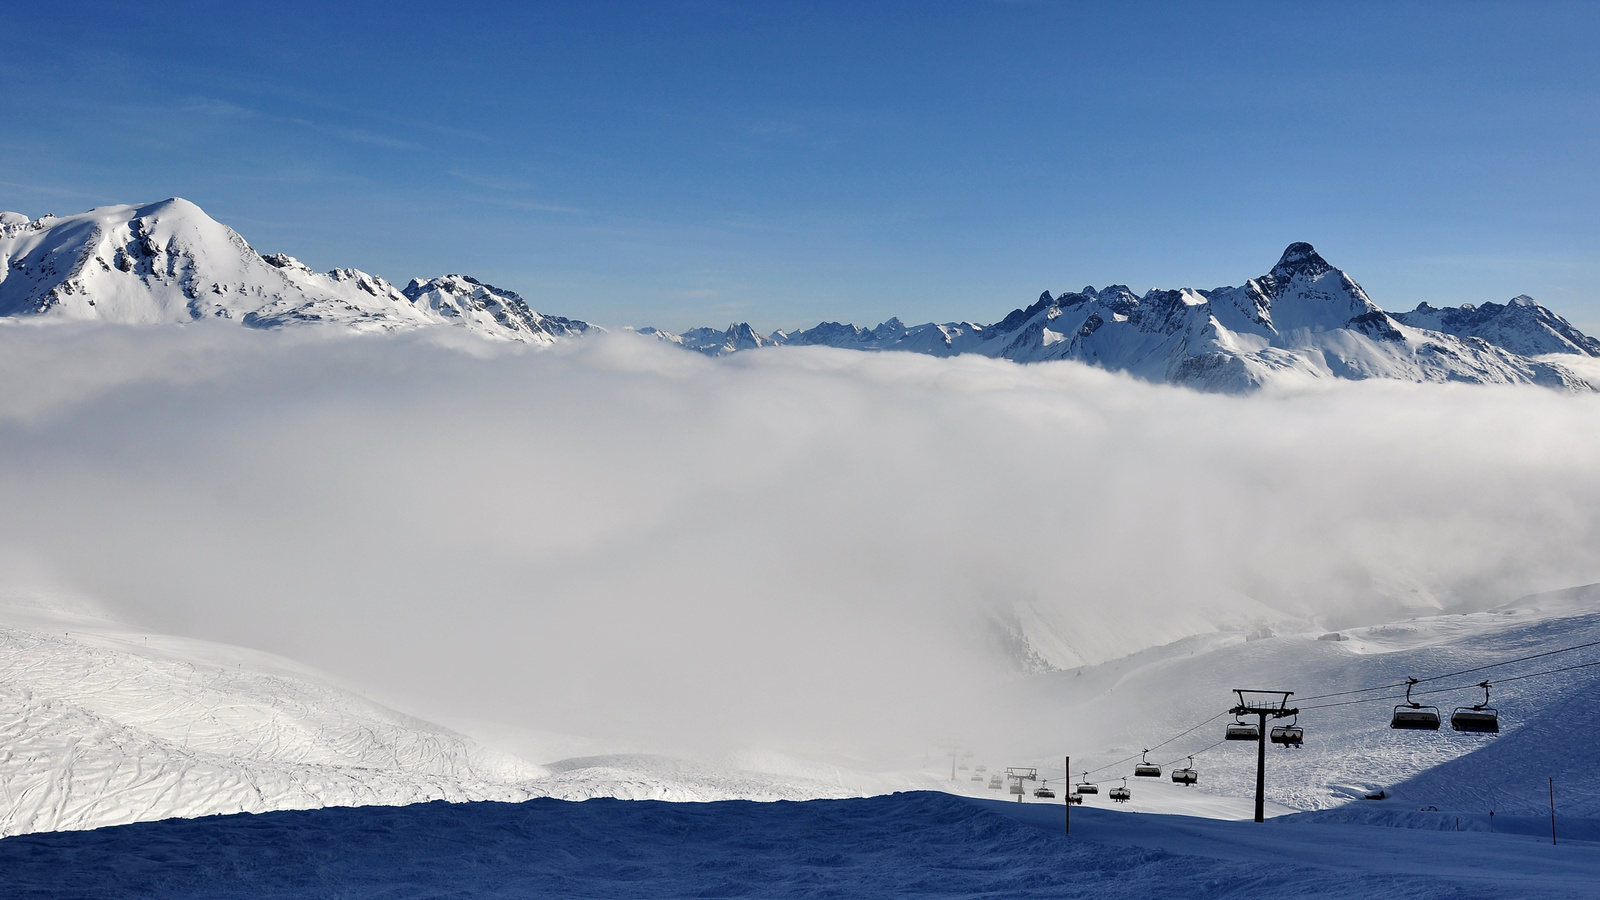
104	726
100	725
1117	709
169	262
1305	318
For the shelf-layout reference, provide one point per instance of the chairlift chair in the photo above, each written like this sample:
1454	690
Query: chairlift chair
995	783
1240	730
1016	788
1290	735
977	777
1044	793
1075	799
1186	775
1413	716
1121	794
1480	718
1146	768
1086	786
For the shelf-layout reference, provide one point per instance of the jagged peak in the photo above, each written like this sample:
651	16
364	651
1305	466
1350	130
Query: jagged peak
1300	258
284	261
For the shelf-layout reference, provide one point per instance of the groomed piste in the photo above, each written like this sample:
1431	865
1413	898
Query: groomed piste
904	845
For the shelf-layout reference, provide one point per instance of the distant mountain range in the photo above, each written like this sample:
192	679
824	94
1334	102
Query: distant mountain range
1305	316
169	262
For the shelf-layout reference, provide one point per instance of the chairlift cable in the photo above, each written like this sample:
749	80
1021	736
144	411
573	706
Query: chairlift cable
1158	746
1381	687
1460	687
1509	662
1196	753
1506	662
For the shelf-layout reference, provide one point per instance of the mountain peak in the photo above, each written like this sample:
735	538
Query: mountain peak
1300	258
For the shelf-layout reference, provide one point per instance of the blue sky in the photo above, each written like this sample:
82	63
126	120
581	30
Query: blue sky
681	164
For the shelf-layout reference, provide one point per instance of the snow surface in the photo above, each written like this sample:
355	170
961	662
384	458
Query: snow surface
1349	750
920	844
104	726
101	725
1304	319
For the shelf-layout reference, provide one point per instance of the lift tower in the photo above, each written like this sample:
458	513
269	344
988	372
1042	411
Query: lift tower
1261	703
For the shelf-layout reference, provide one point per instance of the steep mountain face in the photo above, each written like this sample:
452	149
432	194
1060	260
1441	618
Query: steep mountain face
1305	317
1521	326
169	262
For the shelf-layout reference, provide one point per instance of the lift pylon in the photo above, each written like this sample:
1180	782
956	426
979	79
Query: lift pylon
1262	704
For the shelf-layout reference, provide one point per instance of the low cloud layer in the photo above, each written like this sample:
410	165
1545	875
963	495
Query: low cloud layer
818	550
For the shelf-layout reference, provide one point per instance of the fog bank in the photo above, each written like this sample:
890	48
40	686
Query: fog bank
819	550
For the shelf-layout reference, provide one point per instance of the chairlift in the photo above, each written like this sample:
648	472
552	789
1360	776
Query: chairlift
1290	735
1186	775
1075	799
1086	786
1477	719
1121	794
981	768
995	783
1414	716
1016	787
977	777
1240	730
1043	792
1146	768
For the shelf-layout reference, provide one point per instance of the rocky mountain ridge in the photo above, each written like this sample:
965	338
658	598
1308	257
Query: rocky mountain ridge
169	262
1305	317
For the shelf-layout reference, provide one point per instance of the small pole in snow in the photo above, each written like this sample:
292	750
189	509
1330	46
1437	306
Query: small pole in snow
1066	793
1552	810
1491	821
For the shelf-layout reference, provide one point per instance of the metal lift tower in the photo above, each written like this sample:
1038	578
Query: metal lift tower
1261	703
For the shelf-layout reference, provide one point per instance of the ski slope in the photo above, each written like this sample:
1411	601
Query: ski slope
104	726
1105	715
101	725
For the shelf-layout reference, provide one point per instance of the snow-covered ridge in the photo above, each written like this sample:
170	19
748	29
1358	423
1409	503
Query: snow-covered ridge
104	726
1304	318
169	262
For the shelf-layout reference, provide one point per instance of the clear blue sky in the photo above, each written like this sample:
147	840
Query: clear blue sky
680	164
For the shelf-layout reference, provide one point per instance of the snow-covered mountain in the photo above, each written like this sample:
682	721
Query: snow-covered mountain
1521	326
1305	316
169	262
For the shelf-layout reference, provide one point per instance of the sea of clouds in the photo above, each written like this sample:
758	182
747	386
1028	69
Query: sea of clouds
817	549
